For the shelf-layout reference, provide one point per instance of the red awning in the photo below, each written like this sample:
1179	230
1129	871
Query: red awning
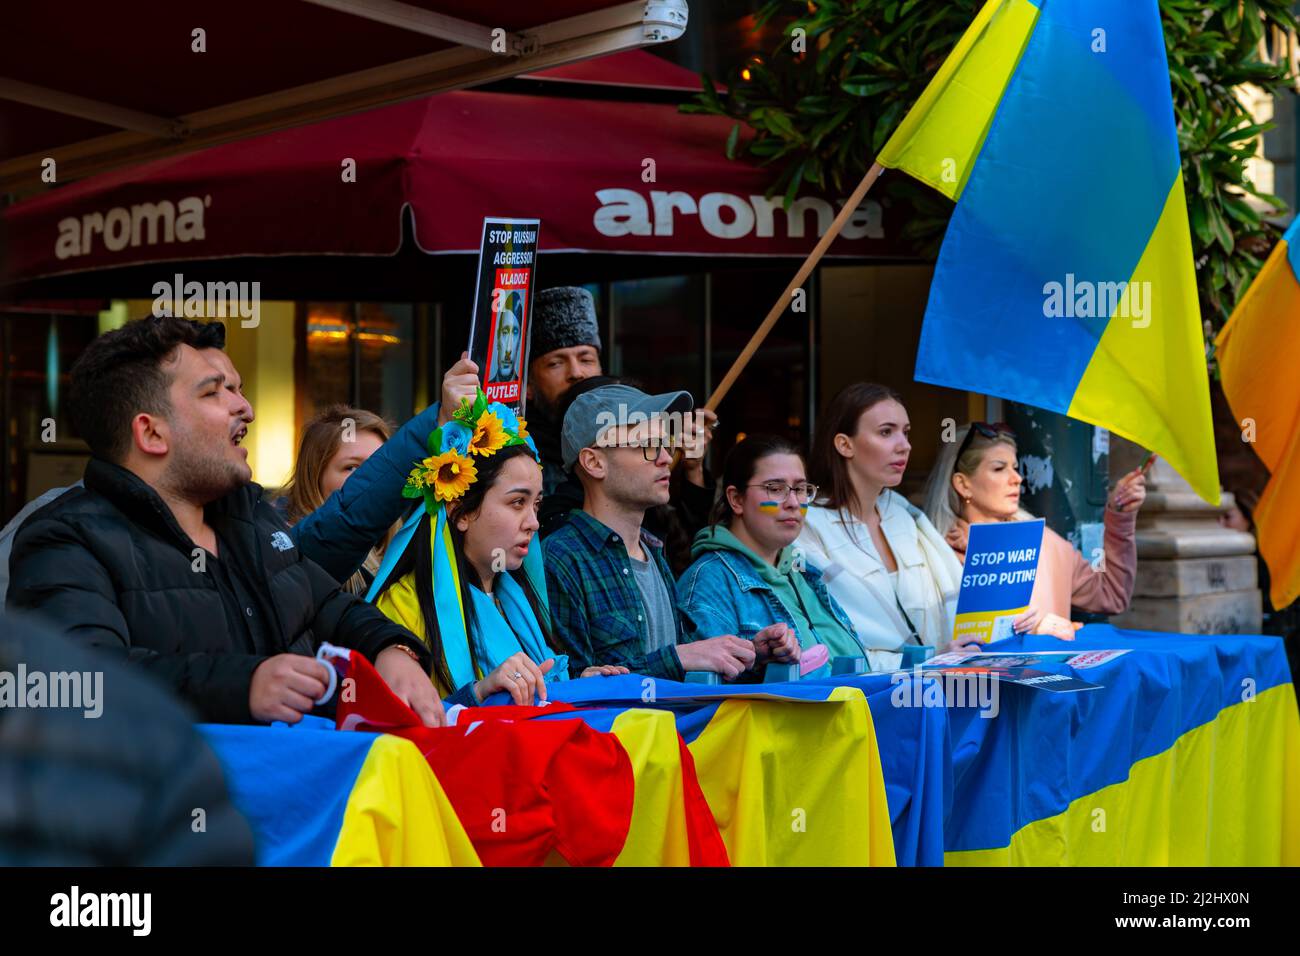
602	176
98	86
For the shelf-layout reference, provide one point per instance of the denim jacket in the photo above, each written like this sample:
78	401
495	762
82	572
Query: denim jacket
720	593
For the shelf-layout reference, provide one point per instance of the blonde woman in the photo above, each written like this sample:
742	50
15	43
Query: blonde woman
879	555
335	443
977	480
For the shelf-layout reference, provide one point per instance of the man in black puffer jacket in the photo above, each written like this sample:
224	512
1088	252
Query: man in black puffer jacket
169	554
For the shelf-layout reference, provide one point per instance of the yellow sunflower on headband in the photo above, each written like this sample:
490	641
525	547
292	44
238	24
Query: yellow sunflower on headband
489	436
450	474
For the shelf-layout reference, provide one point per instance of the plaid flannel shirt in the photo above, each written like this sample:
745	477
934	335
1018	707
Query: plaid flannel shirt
596	608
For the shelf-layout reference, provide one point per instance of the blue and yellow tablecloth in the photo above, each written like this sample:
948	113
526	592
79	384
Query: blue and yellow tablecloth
1189	754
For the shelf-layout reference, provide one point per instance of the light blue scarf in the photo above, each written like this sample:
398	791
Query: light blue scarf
496	637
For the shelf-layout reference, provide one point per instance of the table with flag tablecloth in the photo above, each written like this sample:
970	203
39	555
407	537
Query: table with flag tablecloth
317	796
795	780
1188	754
793	773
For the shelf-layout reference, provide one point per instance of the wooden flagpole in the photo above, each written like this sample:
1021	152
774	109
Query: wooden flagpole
799	279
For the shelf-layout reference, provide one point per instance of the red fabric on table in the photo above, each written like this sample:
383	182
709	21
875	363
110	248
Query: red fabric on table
522	788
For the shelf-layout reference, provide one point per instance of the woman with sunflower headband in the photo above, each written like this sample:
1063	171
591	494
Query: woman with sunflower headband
463	574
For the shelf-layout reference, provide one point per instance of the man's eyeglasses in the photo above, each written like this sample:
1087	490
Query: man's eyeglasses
650	448
989	431
804	492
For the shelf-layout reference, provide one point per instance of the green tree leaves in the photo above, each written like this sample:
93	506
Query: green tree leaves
820	116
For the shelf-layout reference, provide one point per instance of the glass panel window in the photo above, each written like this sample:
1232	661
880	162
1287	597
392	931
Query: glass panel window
41	449
386	341
659	332
329	355
362	354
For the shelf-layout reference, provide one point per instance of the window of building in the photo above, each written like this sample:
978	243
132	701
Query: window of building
41	449
660	334
361	354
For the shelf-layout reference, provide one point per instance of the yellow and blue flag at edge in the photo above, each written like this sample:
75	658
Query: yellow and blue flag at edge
1065	279
1257	352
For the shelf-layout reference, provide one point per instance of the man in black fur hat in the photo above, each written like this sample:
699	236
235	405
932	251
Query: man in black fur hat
565	350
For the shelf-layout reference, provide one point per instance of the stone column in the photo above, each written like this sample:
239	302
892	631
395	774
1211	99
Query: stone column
1193	575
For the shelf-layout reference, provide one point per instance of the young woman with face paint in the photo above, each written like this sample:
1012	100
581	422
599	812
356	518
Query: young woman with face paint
747	579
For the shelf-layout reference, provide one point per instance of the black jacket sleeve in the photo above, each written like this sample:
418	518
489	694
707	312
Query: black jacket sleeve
693	503
346	620
676	523
56	575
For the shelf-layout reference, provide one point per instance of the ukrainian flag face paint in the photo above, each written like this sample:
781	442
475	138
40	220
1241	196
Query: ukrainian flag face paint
775	489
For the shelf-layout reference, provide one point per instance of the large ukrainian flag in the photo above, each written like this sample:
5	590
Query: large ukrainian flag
1257	353
1065	279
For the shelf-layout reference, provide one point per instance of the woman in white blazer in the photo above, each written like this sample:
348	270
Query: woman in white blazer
879	555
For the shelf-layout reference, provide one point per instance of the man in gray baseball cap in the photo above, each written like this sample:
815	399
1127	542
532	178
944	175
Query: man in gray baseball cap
612	596
592	418
565	352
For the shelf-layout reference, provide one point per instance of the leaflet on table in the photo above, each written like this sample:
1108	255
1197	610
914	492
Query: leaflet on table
1026	668
1079	660
501	329
998	578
